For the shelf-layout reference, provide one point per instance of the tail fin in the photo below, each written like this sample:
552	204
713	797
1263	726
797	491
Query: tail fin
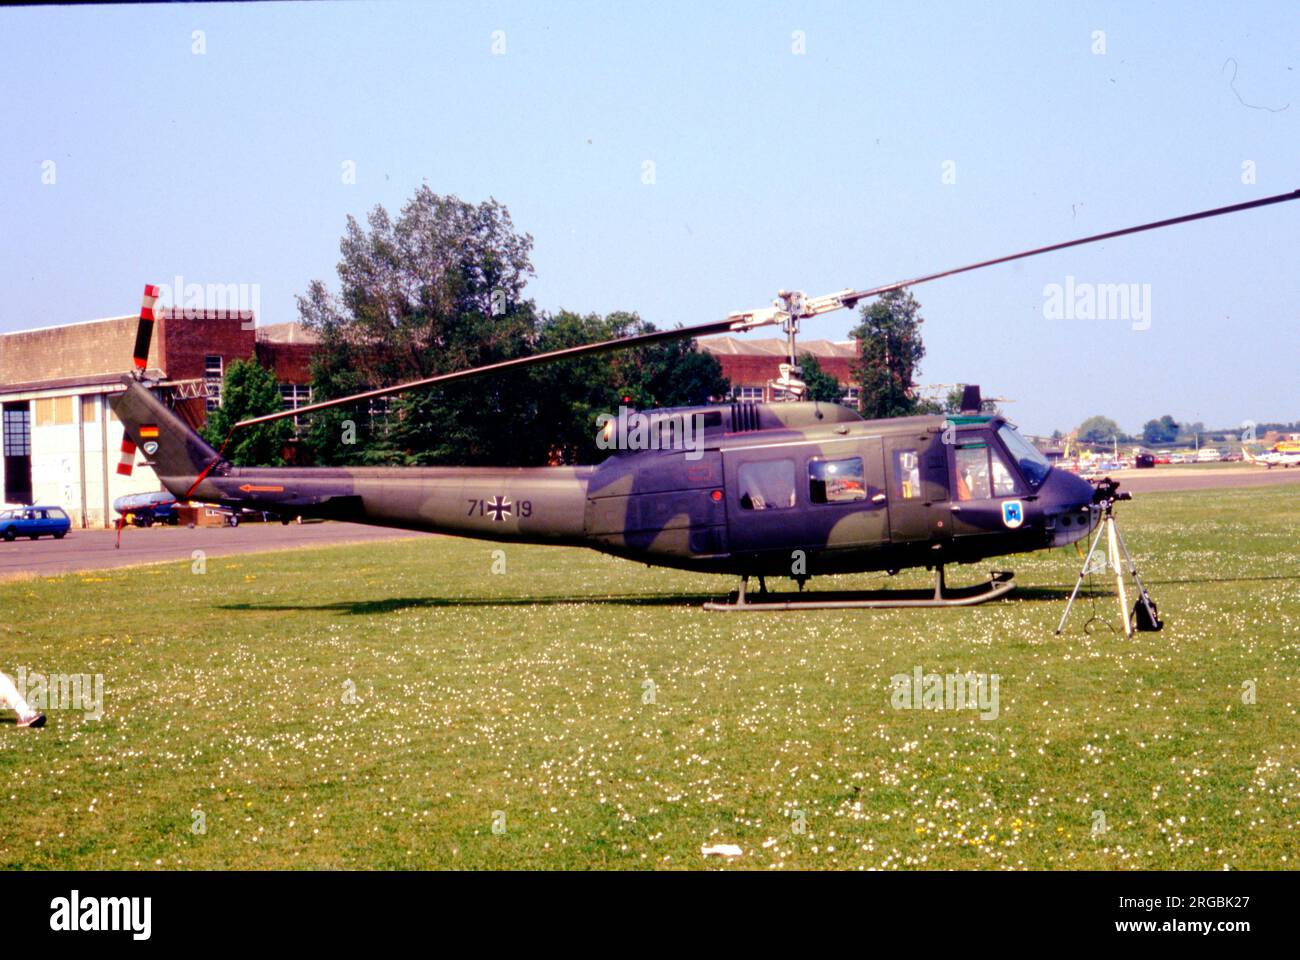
177	454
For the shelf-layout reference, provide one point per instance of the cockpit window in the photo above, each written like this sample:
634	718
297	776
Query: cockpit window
1033	465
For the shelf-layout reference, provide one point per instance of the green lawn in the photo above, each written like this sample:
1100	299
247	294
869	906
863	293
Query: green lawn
522	693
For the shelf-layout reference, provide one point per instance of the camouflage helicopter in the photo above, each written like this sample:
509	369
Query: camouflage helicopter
787	489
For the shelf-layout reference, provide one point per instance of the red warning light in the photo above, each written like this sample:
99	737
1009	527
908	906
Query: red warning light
717	496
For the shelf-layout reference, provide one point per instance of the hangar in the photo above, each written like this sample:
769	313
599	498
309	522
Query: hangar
60	440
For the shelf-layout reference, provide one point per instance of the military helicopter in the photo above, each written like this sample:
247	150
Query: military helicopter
788	489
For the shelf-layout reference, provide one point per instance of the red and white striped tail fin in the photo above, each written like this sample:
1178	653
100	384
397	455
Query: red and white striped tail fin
127	463
149	312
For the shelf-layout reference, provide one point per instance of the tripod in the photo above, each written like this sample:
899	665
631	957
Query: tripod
1116	551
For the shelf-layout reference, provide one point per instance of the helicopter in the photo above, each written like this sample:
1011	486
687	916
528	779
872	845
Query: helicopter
789	489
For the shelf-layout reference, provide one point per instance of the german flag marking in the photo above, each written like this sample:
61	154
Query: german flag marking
149	432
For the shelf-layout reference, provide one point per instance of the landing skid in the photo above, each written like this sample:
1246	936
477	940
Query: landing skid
999	584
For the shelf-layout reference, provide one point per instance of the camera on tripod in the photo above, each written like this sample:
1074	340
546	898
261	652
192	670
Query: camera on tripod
1144	615
1107	491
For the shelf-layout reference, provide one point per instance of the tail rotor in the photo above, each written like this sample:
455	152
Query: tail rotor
149	312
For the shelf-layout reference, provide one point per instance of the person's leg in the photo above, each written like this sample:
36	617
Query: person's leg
12	699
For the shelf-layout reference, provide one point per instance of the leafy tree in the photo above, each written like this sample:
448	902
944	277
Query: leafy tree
822	386
438	289
441	288
1164	430
890	331
673	373
249	390
1099	430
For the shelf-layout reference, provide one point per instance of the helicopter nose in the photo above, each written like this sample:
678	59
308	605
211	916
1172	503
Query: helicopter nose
1067	505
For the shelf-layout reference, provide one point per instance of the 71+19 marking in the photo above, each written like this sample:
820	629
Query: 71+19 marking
498	508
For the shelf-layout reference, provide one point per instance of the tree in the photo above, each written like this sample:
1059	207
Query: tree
822	387
673	373
249	390
890	334
1164	430
441	289
438	289
1099	430
571	394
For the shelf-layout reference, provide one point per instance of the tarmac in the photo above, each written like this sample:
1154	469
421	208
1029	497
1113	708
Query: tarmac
96	550
1163	478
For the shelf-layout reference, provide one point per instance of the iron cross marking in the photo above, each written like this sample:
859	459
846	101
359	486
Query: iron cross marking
499	507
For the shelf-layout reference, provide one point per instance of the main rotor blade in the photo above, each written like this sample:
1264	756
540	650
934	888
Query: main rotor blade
741	322
568	353
853	298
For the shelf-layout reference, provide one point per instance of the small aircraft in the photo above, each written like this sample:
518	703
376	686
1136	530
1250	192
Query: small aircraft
788	489
1284	453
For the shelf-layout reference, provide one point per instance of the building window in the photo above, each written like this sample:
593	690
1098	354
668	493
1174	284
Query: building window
212	374
17	431
90	409
850	398
294	395
53	411
749	393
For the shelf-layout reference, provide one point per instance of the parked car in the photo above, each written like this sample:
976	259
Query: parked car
1144	461
34	522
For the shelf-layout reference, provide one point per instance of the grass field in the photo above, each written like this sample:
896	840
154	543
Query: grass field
519	700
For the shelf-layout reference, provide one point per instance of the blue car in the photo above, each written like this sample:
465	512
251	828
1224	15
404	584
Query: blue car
34	522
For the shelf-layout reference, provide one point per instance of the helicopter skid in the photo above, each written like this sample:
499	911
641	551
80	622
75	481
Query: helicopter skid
999	584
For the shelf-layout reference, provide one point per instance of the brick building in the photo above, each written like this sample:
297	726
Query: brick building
751	365
58	436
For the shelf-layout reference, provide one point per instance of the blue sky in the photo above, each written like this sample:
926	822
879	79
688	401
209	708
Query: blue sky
772	169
